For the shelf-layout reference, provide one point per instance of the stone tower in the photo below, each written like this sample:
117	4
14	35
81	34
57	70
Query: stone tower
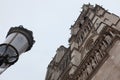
94	51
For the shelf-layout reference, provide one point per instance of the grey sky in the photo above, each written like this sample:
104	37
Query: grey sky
50	21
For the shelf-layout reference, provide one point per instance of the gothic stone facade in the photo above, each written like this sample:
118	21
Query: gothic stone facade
94	51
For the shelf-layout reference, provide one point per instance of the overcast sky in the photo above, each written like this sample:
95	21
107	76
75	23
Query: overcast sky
50	21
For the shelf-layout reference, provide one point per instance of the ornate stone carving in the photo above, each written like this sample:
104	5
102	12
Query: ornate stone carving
94	57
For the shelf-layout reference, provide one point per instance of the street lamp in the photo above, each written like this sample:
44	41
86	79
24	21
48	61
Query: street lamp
18	40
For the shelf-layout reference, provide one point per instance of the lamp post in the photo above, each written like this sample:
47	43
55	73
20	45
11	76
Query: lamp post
18	41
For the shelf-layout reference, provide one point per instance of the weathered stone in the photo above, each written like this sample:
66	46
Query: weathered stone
94	51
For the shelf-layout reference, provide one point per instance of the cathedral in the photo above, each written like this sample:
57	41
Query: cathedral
94	46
